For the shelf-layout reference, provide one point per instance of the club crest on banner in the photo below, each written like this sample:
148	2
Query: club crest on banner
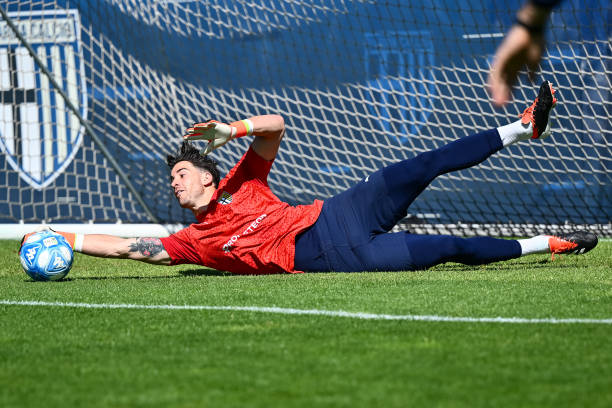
38	133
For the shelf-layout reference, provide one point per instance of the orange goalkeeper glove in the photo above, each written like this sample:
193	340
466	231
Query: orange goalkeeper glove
218	133
74	240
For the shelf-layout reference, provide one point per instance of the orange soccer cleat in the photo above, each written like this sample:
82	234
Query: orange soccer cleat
577	242
537	113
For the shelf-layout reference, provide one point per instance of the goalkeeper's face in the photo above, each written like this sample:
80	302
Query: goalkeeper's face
189	184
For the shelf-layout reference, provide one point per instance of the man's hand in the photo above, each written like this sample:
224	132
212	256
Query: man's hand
519	48
74	240
522	46
40	228
216	133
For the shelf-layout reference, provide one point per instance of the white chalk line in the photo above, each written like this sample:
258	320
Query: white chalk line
312	312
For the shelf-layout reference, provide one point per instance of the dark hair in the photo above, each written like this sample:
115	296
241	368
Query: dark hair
189	153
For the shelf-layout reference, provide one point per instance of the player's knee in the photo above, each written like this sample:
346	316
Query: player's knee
422	165
417	170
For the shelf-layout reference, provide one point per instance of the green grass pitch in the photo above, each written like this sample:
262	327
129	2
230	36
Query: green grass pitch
54	356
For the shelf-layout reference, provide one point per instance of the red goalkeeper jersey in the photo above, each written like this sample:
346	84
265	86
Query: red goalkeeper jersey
246	229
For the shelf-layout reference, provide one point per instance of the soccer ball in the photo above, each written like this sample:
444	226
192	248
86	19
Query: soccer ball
46	256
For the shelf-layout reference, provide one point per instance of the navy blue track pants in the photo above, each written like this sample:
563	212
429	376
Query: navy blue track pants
352	232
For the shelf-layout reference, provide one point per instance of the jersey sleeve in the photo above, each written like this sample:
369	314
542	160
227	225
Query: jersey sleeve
180	249
251	166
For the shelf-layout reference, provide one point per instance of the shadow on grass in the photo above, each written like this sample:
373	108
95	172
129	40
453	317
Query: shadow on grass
449	267
101	278
506	266
174	275
205	272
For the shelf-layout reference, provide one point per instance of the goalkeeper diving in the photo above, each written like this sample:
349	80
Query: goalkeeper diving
243	228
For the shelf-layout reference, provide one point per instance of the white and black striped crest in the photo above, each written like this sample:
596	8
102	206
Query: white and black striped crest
38	133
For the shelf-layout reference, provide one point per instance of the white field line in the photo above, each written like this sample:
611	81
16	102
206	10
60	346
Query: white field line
312	312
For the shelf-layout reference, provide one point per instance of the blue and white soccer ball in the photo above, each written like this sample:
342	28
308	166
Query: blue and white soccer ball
46	256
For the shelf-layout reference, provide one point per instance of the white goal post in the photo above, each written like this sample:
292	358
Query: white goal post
17	231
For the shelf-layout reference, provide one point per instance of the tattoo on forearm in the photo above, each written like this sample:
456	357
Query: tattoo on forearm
148	247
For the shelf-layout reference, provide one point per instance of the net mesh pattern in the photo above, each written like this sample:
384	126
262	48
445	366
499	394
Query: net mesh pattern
361	84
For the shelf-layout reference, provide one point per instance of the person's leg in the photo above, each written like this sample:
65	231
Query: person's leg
426	251
429	250
402	251
376	203
407	179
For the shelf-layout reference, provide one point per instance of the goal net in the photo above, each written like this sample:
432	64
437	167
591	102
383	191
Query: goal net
95	93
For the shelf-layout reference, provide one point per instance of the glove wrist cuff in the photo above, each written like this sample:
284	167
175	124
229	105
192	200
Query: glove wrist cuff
243	128
78	242
69	236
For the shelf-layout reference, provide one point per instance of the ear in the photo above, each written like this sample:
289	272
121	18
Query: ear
206	178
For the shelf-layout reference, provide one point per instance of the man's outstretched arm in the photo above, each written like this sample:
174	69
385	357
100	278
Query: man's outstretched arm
148	250
143	249
522	46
